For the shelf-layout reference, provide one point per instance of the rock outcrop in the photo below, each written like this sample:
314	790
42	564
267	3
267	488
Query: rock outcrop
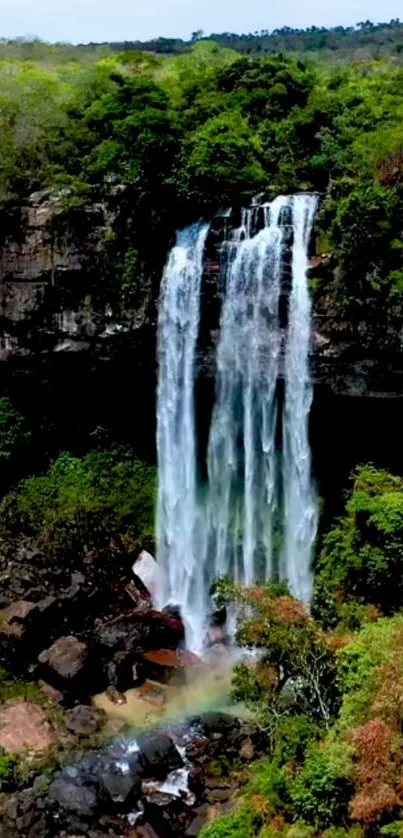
49	303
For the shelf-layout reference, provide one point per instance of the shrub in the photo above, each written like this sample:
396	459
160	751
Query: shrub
85	501
8	765
360	563
322	788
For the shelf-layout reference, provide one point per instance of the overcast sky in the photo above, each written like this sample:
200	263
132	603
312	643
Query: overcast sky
108	20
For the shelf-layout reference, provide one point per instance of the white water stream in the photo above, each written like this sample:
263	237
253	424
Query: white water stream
257	519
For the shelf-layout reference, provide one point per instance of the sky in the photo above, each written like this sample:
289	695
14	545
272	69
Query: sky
81	21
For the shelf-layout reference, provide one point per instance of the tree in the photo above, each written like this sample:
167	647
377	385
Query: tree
360	563
13	430
296	665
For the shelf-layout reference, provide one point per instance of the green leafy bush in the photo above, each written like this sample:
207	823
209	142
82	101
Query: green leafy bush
8	765
360	564
85	501
13	431
322	789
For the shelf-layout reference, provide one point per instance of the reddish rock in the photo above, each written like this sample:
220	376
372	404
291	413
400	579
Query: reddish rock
18	611
154	694
166	664
24	727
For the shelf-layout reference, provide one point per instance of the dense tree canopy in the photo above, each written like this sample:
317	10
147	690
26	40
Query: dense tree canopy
185	134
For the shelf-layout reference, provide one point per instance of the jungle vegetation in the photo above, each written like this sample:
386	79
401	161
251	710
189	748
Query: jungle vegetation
172	132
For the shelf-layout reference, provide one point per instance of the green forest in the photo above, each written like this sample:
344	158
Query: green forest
188	134
176	131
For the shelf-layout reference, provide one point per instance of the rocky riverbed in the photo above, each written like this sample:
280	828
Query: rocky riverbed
108	724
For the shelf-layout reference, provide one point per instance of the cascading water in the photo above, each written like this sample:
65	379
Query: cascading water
300	502
257	518
241	454
179	311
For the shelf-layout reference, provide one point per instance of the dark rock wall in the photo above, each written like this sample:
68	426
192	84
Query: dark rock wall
78	368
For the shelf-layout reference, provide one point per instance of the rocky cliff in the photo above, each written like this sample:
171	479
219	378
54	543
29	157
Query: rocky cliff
50	304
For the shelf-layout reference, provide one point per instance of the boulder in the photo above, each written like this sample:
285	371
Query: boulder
84	720
24	816
122	671
18	612
160	754
121	779
66	657
146	570
140	629
89	786
24	727
167	665
75	796
144	831
209	734
218	614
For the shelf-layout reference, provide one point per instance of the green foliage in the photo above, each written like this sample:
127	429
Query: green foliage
295	670
86	501
222	157
237	825
13	431
363	664
12	688
185	134
8	765
321	790
360	563
393	830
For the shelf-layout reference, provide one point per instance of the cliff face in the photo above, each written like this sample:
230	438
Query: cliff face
49	274
49	305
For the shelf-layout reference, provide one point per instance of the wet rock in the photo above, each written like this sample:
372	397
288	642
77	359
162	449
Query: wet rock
123	672
121	780
218	614
167	815
115	696
146	571
175	785
196	825
24	816
139	629
75	797
172	610
167	665
143	831
160	754
213	723
84	720
76	787
154	694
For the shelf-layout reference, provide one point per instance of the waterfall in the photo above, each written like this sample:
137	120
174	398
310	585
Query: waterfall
241	455
256	518
179	310
300	503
